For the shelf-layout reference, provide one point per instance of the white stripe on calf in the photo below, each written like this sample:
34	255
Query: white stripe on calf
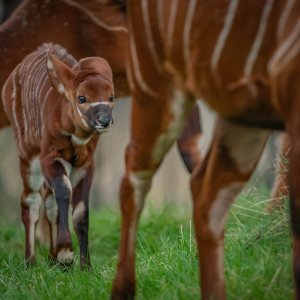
231	12
18	130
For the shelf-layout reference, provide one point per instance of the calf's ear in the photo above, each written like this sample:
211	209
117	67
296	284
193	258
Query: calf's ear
60	74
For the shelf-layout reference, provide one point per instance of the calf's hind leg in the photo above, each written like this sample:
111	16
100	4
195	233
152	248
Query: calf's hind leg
232	156
156	124
30	203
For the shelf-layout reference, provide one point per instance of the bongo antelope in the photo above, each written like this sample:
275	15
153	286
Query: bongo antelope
58	107
101	30
242	58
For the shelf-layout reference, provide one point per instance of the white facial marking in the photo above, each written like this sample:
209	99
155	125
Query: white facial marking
65	256
82	118
231	12
36	178
99	103
66	165
52	213
78	212
221	205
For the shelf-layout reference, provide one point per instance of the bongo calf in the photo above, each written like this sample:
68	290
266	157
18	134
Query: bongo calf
58	107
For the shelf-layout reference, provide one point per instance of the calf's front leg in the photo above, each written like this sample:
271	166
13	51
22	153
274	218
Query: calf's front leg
56	172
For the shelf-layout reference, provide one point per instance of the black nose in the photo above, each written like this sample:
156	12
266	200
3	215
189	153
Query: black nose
104	120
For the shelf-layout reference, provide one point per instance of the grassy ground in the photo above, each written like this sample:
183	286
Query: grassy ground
257	257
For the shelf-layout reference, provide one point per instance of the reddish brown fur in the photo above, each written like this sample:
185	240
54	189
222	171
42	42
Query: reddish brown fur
36	22
241	74
43	99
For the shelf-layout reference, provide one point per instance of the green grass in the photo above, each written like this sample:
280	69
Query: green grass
257	262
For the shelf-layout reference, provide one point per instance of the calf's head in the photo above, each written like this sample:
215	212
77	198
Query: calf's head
88	87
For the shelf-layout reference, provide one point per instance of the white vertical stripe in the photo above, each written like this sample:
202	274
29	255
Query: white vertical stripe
14	84
29	93
171	24
130	77
289	56
187	30
284	17
18	129
160	16
285	46
143	85
231	12
258	39
146	19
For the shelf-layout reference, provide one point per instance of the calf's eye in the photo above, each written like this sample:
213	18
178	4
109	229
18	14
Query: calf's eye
81	99
111	98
